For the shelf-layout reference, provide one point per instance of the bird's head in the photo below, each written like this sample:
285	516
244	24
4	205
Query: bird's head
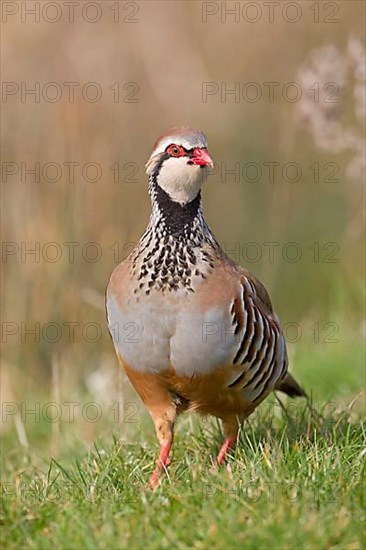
179	162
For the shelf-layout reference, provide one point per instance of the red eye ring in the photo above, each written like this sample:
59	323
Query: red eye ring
175	150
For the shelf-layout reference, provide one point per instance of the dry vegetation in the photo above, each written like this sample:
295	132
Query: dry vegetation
170	53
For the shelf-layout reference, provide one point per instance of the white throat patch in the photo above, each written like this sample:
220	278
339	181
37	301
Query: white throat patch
182	181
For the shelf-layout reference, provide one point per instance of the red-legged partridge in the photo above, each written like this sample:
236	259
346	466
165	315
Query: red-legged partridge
192	328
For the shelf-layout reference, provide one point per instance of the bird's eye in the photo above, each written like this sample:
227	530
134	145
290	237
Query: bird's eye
175	150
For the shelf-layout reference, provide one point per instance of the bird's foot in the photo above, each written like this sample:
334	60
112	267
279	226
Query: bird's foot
162	464
228	444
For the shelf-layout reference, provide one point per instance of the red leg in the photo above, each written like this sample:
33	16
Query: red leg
228	444
163	462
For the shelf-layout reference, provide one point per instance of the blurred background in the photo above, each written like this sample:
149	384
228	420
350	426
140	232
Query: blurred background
281	98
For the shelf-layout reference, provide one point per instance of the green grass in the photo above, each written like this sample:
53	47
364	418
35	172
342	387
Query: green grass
295	480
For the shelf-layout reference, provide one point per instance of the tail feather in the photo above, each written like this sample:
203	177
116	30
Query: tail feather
289	386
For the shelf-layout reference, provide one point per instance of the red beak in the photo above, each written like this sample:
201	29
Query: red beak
201	157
